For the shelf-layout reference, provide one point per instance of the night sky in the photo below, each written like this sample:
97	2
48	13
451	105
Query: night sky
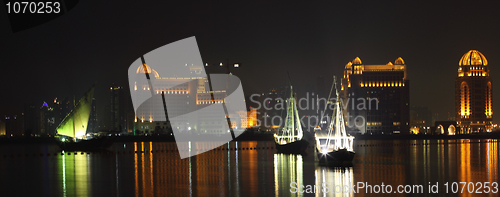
98	41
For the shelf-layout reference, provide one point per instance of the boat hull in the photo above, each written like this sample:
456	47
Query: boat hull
297	147
92	145
341	156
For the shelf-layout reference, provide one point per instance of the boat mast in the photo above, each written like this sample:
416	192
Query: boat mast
292	105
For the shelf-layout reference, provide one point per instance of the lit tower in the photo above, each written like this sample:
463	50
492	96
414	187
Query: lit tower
473	94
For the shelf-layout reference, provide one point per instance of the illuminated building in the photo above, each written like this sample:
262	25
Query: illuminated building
445	128
473	97
376	97
183	95
417	126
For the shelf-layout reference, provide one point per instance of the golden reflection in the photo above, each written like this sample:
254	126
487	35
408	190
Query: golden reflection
151	185
81	175
288	171
465	166
136	171
492	161
249	174
334	181
75	175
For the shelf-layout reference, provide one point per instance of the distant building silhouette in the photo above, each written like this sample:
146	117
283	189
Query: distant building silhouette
92	127
120	108
421	113
31	126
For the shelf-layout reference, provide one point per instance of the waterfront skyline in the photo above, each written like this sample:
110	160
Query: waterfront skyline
63	57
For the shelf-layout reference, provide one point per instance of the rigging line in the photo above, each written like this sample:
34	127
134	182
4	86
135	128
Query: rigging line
330	129
292	104
146	71
329	95
281	112
226	112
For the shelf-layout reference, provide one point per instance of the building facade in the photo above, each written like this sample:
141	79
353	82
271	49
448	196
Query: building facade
473	94
183	95
121	113
376	97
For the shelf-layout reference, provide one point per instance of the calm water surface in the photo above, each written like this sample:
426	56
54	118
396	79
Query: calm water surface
252	170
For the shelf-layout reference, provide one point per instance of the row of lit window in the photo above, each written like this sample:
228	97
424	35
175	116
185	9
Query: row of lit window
208	102
374	124
472	68
142	120
380	84
172	92
474	73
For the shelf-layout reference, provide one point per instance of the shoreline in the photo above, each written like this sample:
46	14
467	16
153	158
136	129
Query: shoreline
255	137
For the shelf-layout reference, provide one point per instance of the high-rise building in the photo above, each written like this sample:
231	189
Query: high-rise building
13	125
92	127
30	117
473	98
272	106
47	120
376	97
120	107
421	113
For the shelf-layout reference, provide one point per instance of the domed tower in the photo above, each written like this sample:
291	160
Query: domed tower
473	95
347	72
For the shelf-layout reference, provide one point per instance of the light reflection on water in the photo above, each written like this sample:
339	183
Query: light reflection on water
137	169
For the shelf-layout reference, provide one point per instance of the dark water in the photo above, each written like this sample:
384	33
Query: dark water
28	171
